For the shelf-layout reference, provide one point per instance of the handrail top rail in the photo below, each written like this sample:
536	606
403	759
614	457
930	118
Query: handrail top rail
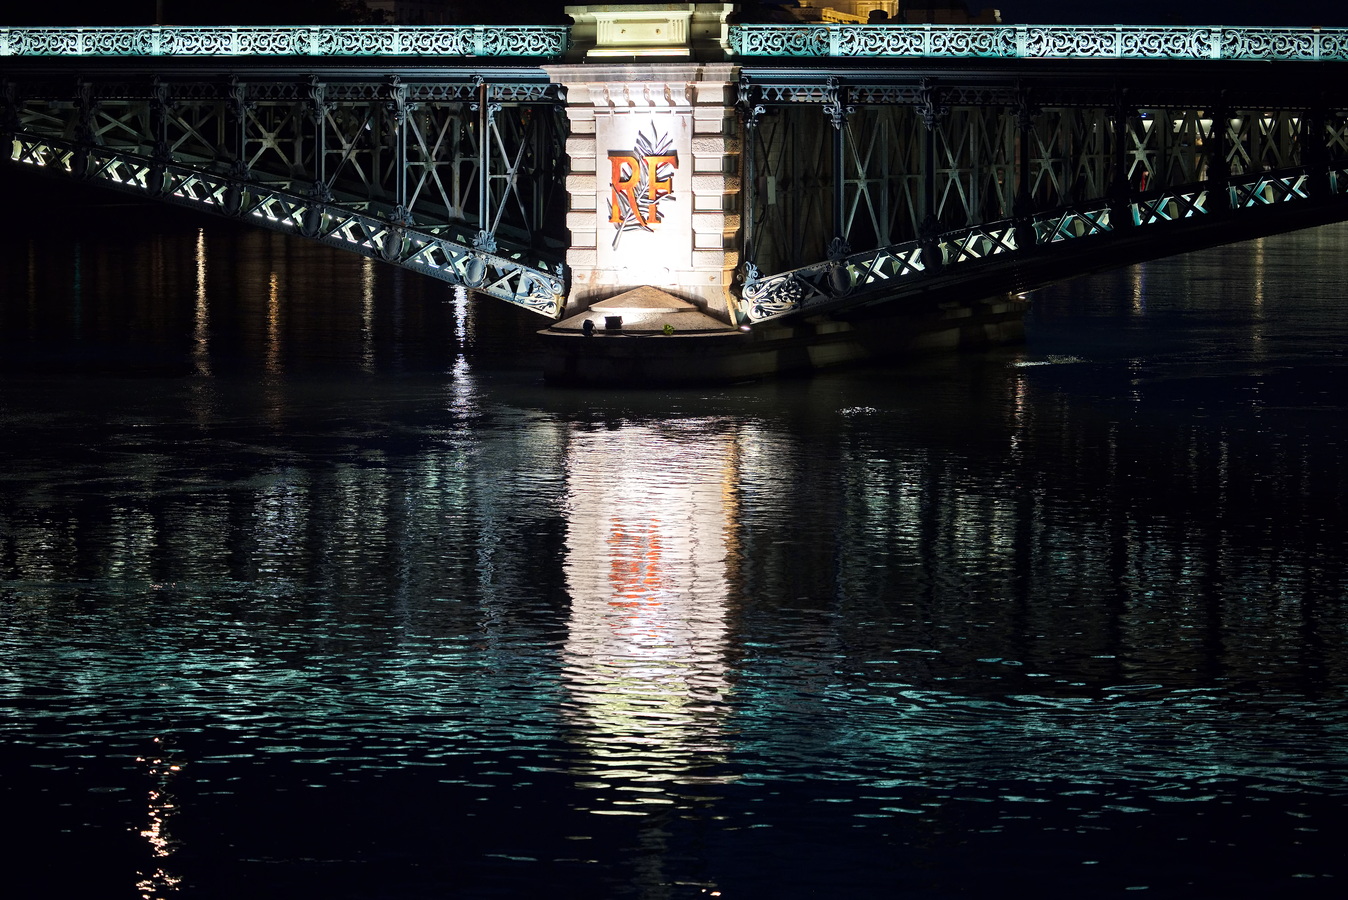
1112	42
531	41
827	40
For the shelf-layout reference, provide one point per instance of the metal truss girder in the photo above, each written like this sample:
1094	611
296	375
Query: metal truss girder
508	275
1023	146
1071	223
407	152
1172	206
867	277
1268	189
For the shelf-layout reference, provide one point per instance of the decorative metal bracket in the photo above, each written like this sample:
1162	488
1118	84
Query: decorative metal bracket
751	276
835	103
484	241
1026	109
929	106
239	104
748	105
483	90
395	100
318	99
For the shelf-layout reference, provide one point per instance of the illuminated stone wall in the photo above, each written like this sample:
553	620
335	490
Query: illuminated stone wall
654	185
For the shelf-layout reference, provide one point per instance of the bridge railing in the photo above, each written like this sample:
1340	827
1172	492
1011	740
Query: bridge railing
540	41
1039	42
815	40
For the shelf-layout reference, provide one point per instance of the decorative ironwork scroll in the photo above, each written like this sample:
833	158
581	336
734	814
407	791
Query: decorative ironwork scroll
536	41
825	40
1039	42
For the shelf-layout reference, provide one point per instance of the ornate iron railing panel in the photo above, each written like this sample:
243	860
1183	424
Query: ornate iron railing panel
831	40
1268	189
511	276
1172	206
533	41
1039	42
826	284
1072	222
979	242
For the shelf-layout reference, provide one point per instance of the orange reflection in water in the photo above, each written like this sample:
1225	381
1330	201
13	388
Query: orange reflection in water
157	882
634	569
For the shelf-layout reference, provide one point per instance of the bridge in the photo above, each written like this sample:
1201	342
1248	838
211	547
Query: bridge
761	177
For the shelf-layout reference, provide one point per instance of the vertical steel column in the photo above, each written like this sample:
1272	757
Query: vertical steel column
1022	210
395	104
1218	166
238	95
9	122
1314	153
318	109
486	230
837	111
238	170
750	111
312	223
84	129
1120	192
931	112
159	155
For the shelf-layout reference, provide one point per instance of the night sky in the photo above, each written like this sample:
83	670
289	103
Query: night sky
1173	12
1098	12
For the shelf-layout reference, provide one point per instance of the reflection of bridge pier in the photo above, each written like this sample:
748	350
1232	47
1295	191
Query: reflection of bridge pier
646	568
837	190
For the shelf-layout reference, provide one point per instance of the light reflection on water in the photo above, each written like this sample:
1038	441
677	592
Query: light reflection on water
649	512
297	589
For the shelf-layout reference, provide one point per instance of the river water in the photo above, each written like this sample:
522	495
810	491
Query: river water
308	587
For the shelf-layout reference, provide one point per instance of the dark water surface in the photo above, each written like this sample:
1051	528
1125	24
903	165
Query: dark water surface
307	589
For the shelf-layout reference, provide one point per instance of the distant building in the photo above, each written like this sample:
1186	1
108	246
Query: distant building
847	11
946	12
891	12
416	12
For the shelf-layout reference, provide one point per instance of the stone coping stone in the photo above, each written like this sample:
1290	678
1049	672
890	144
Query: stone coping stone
645	298
644	310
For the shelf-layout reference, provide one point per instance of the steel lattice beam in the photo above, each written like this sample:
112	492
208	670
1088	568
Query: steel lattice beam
945	172
455	179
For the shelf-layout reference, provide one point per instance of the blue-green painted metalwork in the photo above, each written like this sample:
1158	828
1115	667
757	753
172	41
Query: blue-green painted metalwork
1039	42
539	41
510	276
551	41
837	284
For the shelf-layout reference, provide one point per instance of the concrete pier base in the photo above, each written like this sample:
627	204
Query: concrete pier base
645	354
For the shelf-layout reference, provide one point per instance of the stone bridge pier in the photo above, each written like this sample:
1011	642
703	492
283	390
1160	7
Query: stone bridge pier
653	189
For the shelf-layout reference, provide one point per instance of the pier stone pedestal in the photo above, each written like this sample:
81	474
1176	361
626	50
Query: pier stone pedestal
654	184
